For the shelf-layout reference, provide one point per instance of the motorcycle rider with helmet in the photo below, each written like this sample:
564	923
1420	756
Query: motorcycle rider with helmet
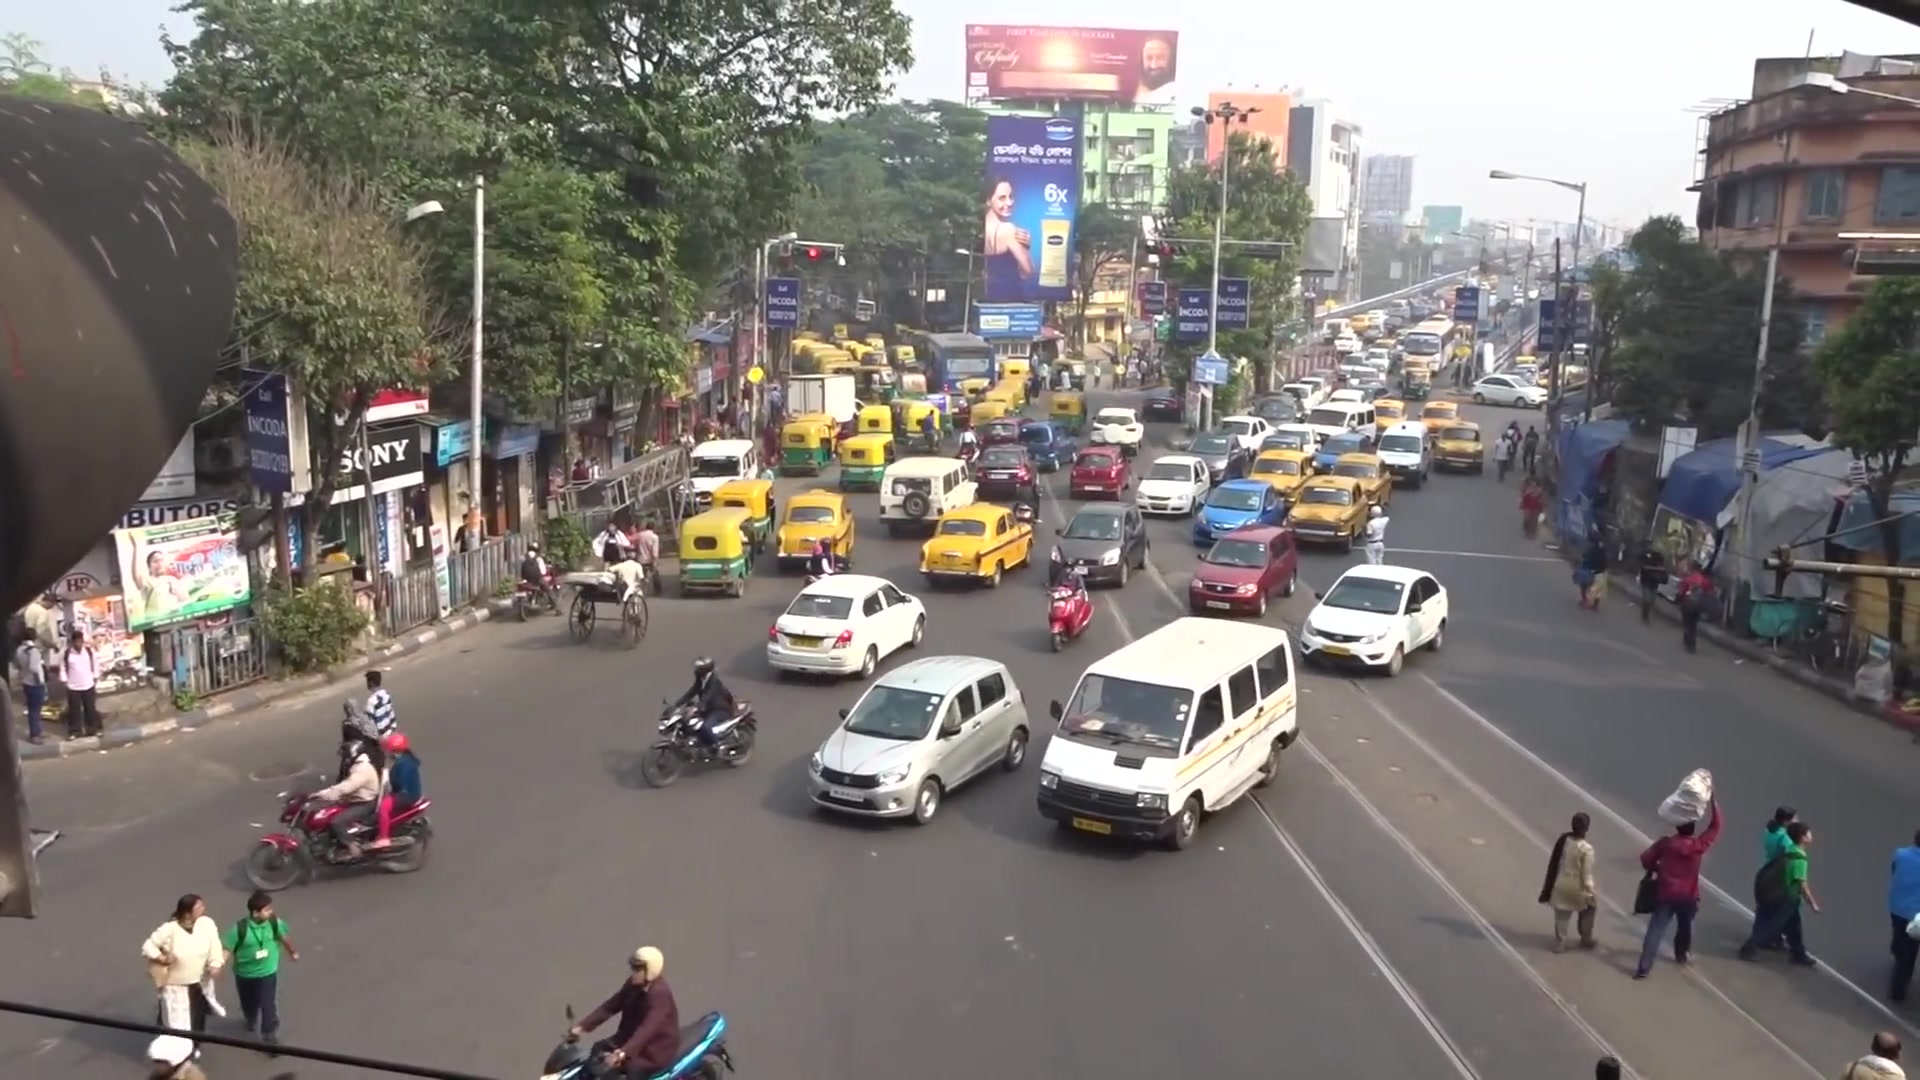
646	1041
533	573
969	444
403	784
711	701
358	791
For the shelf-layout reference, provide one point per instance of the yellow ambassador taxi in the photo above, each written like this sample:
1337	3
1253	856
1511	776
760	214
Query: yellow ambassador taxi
1438	414
980	541
813	516
1283	470
1386	413
1375	479
1329	510
1457	447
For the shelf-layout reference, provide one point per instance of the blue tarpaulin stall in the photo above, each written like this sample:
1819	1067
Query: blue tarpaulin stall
1582	451
1702	483
1859	529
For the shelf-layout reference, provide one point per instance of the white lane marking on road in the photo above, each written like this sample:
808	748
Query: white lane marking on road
1475	555
1540	843
1634	831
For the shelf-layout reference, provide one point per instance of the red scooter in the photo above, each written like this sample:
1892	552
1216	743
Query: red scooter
1069	611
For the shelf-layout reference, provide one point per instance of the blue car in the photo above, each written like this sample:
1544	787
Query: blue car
1048	444
1236	504
1353	442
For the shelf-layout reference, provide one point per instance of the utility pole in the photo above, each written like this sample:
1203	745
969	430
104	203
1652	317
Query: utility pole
1226	112
477	441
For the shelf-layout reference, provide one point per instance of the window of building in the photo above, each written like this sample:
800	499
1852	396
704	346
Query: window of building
1813	324
1758	202
1826	195
1899	197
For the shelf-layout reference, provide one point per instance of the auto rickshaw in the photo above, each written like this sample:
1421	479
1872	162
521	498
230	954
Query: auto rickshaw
1016	389
876	383
1416	385
864	459
806	444
755	497
909	427
975	387
715	552
875	419
1069	410
838	362
1009	401
987	409
1014	367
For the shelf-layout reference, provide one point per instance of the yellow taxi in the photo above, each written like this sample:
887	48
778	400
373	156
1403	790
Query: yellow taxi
980	541
1438	414
1375	478
813	516
1388	412
1283	470
1329	510
1457	446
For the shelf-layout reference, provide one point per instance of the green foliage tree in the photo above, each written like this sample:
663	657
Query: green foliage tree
1103	241
1871	370
1264	203
1679	332
331	293
23	72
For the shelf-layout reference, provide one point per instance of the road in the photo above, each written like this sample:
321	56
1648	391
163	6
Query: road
1373	913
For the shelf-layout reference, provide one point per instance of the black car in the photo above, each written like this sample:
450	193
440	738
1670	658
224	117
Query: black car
1278	408
1109	539
1006	471
1226	459
1162	406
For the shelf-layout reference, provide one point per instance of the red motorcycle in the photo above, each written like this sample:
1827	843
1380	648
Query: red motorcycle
536	599
284	859
1069	612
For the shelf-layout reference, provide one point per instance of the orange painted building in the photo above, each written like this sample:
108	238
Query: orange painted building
1269	123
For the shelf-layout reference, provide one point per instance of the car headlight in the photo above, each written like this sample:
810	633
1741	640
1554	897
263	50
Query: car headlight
1110	558
814	764
894	776
1374	639
1247	590
1148	800
1049	780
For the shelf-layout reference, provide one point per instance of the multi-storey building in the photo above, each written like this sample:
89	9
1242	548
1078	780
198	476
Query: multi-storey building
1386	187
1324	152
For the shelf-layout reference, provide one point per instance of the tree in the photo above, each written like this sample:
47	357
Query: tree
1103	241
1265	203
1871	370
331	293
22	72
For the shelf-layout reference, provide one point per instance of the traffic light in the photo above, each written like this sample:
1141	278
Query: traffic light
254	526
813	253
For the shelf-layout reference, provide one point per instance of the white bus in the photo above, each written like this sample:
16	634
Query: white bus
1430	340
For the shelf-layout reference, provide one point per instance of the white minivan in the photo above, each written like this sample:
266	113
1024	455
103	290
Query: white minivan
1403	450
1339	417
1174	726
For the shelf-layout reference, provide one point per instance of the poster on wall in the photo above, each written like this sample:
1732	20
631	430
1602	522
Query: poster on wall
1032	198
181	571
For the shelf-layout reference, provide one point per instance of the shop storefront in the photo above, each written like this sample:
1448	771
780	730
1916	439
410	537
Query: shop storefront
388	469
510	475
588	435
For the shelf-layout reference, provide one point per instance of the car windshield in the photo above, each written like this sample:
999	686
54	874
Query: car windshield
1365	594
1327	496
1236	553
963	527
819	606
1329	417
1226	498
1001	429
1211	444
1095	461
716	466
1240	427
1036	433
1122	417
1460	434
1355	470
1345	444
995	457
1175	470
1093	526
1388	412
888	712
810	515
1121	712
1284	440
1276	467
1277	410
1400	444
1444	411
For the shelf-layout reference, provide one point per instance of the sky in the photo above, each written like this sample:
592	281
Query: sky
1609	94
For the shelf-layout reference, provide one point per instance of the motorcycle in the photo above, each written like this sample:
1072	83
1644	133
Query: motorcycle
284	859
1025	513
969	451
680	746
1069	611
541	599
703	1054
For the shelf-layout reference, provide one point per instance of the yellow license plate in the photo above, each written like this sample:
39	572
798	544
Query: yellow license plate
1089	825
953	558
805	642
1336	650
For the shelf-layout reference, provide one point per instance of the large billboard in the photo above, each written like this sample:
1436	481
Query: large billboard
1032	199
1081	62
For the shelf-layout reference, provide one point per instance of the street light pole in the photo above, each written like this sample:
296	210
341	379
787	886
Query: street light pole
1562	318
1226	112
477	379
763	334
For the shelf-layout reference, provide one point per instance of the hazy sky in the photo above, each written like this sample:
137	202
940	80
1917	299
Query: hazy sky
1606	94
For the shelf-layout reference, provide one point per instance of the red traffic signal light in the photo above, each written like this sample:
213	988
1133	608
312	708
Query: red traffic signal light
813	254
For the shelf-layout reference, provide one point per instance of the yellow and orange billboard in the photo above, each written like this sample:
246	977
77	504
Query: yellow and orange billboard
1080	62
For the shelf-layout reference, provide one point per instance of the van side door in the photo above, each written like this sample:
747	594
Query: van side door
1205	732
1243	706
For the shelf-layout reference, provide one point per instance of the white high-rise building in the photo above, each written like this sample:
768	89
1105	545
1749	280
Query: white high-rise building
1324	152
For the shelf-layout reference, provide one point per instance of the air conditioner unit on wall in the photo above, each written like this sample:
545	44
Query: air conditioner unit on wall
222	456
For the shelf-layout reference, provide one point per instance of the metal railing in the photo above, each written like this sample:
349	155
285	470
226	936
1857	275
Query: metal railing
408	599
412	597
212	660
476	575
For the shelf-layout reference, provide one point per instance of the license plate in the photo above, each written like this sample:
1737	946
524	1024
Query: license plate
953	558
845	794
1222	604
1336	650
805	642
1089	825
1001	476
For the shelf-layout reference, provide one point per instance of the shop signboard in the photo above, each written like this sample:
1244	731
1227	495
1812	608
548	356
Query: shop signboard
783	303
1007	322
176	476
1192	313
1153	298
452	441
394	456
269	434
516	440
1236	296
1033	197
173	573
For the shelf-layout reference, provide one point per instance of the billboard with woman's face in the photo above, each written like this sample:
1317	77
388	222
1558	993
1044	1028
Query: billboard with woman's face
1029	202
1086	63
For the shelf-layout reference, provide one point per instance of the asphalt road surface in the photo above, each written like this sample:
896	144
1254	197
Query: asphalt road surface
1373	913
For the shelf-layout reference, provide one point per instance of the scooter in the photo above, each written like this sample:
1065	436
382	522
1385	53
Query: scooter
1069	610
703	1054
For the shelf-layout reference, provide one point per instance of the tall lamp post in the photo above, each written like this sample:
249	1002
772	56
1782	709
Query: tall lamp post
966	312
762	270
1227	113
476	368
1561	317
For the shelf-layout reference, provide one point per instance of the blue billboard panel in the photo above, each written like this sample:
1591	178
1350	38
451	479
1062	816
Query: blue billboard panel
1466	304
1236	297
1033	198
783	303
1212	369
1192	311
1007	322
1153	298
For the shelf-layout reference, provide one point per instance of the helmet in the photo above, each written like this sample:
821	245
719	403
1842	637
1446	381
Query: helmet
1373	511
396	743
648	959
703	666
533	547
170	1050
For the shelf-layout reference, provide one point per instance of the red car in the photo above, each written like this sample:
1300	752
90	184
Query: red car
998	432
1098	470
1243	569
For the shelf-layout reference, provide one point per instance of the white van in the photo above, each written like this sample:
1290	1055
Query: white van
1339	417
717	461
1176	725
1403	450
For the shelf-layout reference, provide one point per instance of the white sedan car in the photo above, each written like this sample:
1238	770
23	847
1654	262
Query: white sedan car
1509	390
1249	430
1373	617
1117	427
845	624
1176	484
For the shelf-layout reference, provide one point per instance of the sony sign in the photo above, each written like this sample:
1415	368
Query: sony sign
394	456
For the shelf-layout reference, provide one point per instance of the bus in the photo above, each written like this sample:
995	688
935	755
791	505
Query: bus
1430	340
950	359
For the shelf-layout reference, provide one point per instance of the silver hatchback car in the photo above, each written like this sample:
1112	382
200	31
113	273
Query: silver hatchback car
920	731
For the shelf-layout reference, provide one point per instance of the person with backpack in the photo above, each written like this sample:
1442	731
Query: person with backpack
255	944
1903	906
1779	890
1694	593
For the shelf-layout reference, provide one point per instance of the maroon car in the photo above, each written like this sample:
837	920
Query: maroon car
1098	471
1000	432
1243	569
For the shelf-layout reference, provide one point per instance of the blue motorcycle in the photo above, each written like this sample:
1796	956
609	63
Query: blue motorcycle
702	1057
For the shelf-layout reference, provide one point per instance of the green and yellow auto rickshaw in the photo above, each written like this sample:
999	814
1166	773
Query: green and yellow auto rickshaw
1069	409
874	420
864	459
910	427
715	552
1416	384
875	382
756	498
806	444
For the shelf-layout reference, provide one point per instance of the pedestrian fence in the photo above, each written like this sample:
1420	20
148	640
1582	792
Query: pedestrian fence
208	660
412	597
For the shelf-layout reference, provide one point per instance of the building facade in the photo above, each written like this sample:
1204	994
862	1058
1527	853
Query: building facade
1386	187
1800	164
1324	152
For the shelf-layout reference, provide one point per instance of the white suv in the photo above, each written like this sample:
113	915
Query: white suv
915	491
1373	617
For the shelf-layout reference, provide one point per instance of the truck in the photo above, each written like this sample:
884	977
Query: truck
834	395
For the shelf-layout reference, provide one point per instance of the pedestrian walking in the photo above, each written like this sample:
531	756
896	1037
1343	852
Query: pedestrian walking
1502	458
1376	536
170	1057
1569	889
1591	575
1903	907
1773	843
254	944
1529	449
1695	595
1780	890
1674	863
30	670
379	703
80	673
1882	1061
183	955
1653	575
